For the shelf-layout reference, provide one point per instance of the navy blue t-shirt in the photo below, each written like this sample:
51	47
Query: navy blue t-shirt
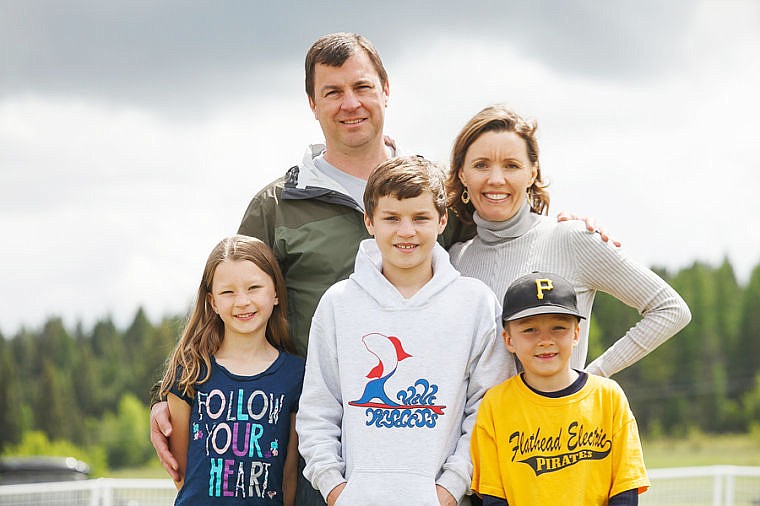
239	432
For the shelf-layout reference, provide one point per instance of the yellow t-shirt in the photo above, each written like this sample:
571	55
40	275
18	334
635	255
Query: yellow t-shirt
580	449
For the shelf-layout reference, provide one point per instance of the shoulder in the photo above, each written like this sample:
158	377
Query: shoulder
334	295
458	250
576	231
294	364
293	360
497	393
472	286
474	294
338	289
570	228
608	386
273	189
266	199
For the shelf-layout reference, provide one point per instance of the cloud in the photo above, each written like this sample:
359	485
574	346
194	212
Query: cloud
135	133
172	54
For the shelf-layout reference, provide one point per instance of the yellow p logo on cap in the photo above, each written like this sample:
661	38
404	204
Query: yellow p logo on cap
541	285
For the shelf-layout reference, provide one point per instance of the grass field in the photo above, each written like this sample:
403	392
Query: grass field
703	450
696	450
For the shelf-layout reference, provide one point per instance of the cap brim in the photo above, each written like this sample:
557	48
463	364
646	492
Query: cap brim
546	309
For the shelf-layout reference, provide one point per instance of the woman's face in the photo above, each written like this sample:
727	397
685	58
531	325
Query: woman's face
497	173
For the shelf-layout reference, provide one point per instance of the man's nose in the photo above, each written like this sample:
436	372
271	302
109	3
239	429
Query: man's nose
350	101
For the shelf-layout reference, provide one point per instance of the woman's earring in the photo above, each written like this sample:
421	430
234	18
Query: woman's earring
465	196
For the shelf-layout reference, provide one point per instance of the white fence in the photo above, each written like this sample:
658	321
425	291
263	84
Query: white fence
692	486
703	486
99	492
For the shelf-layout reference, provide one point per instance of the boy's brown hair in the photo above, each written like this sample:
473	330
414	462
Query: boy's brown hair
405	177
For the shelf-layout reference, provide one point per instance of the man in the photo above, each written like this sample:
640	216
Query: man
313	217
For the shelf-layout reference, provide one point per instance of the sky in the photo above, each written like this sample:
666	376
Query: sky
134	133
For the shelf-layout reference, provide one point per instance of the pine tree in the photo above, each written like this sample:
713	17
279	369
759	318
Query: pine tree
10	399
747	358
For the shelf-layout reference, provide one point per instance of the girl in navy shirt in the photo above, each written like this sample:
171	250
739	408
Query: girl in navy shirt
233	384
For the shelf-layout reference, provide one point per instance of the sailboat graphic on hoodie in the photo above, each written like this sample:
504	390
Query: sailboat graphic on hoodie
390	352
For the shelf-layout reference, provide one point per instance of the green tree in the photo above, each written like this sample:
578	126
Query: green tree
147	346
113	367
160	344
10	398
56	345
37	443
751	405
126	435
702	363
26	357
86	385
747	356
54	406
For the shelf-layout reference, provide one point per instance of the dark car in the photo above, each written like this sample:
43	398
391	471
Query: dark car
15	470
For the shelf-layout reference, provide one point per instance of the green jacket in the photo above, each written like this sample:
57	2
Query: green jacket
314	229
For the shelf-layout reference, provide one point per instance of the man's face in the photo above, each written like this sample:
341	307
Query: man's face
349	103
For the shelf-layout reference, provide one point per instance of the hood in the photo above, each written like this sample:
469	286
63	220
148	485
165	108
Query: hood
368	275
305	181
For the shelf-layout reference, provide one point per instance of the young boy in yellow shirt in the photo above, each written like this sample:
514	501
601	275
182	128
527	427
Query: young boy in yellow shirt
553	434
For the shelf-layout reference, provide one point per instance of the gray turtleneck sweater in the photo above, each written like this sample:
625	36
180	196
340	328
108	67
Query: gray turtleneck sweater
527	242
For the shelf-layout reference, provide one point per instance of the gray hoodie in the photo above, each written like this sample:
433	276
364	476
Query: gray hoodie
392	384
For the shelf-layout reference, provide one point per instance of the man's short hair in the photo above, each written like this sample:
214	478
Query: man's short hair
334	49
405	177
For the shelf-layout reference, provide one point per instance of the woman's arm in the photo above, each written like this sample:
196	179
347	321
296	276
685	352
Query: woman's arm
607	269
180	436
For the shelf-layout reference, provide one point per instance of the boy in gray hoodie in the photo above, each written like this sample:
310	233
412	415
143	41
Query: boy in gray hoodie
399	356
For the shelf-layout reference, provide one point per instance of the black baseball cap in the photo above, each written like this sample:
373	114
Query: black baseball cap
539	293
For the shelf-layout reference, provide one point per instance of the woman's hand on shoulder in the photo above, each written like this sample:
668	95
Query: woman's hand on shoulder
591	226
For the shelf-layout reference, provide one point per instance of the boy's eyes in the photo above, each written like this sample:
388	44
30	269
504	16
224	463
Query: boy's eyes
556	328
416	218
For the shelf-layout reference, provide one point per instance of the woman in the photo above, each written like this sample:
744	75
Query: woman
495	181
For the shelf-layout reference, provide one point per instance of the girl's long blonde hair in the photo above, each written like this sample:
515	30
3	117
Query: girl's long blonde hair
204	331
